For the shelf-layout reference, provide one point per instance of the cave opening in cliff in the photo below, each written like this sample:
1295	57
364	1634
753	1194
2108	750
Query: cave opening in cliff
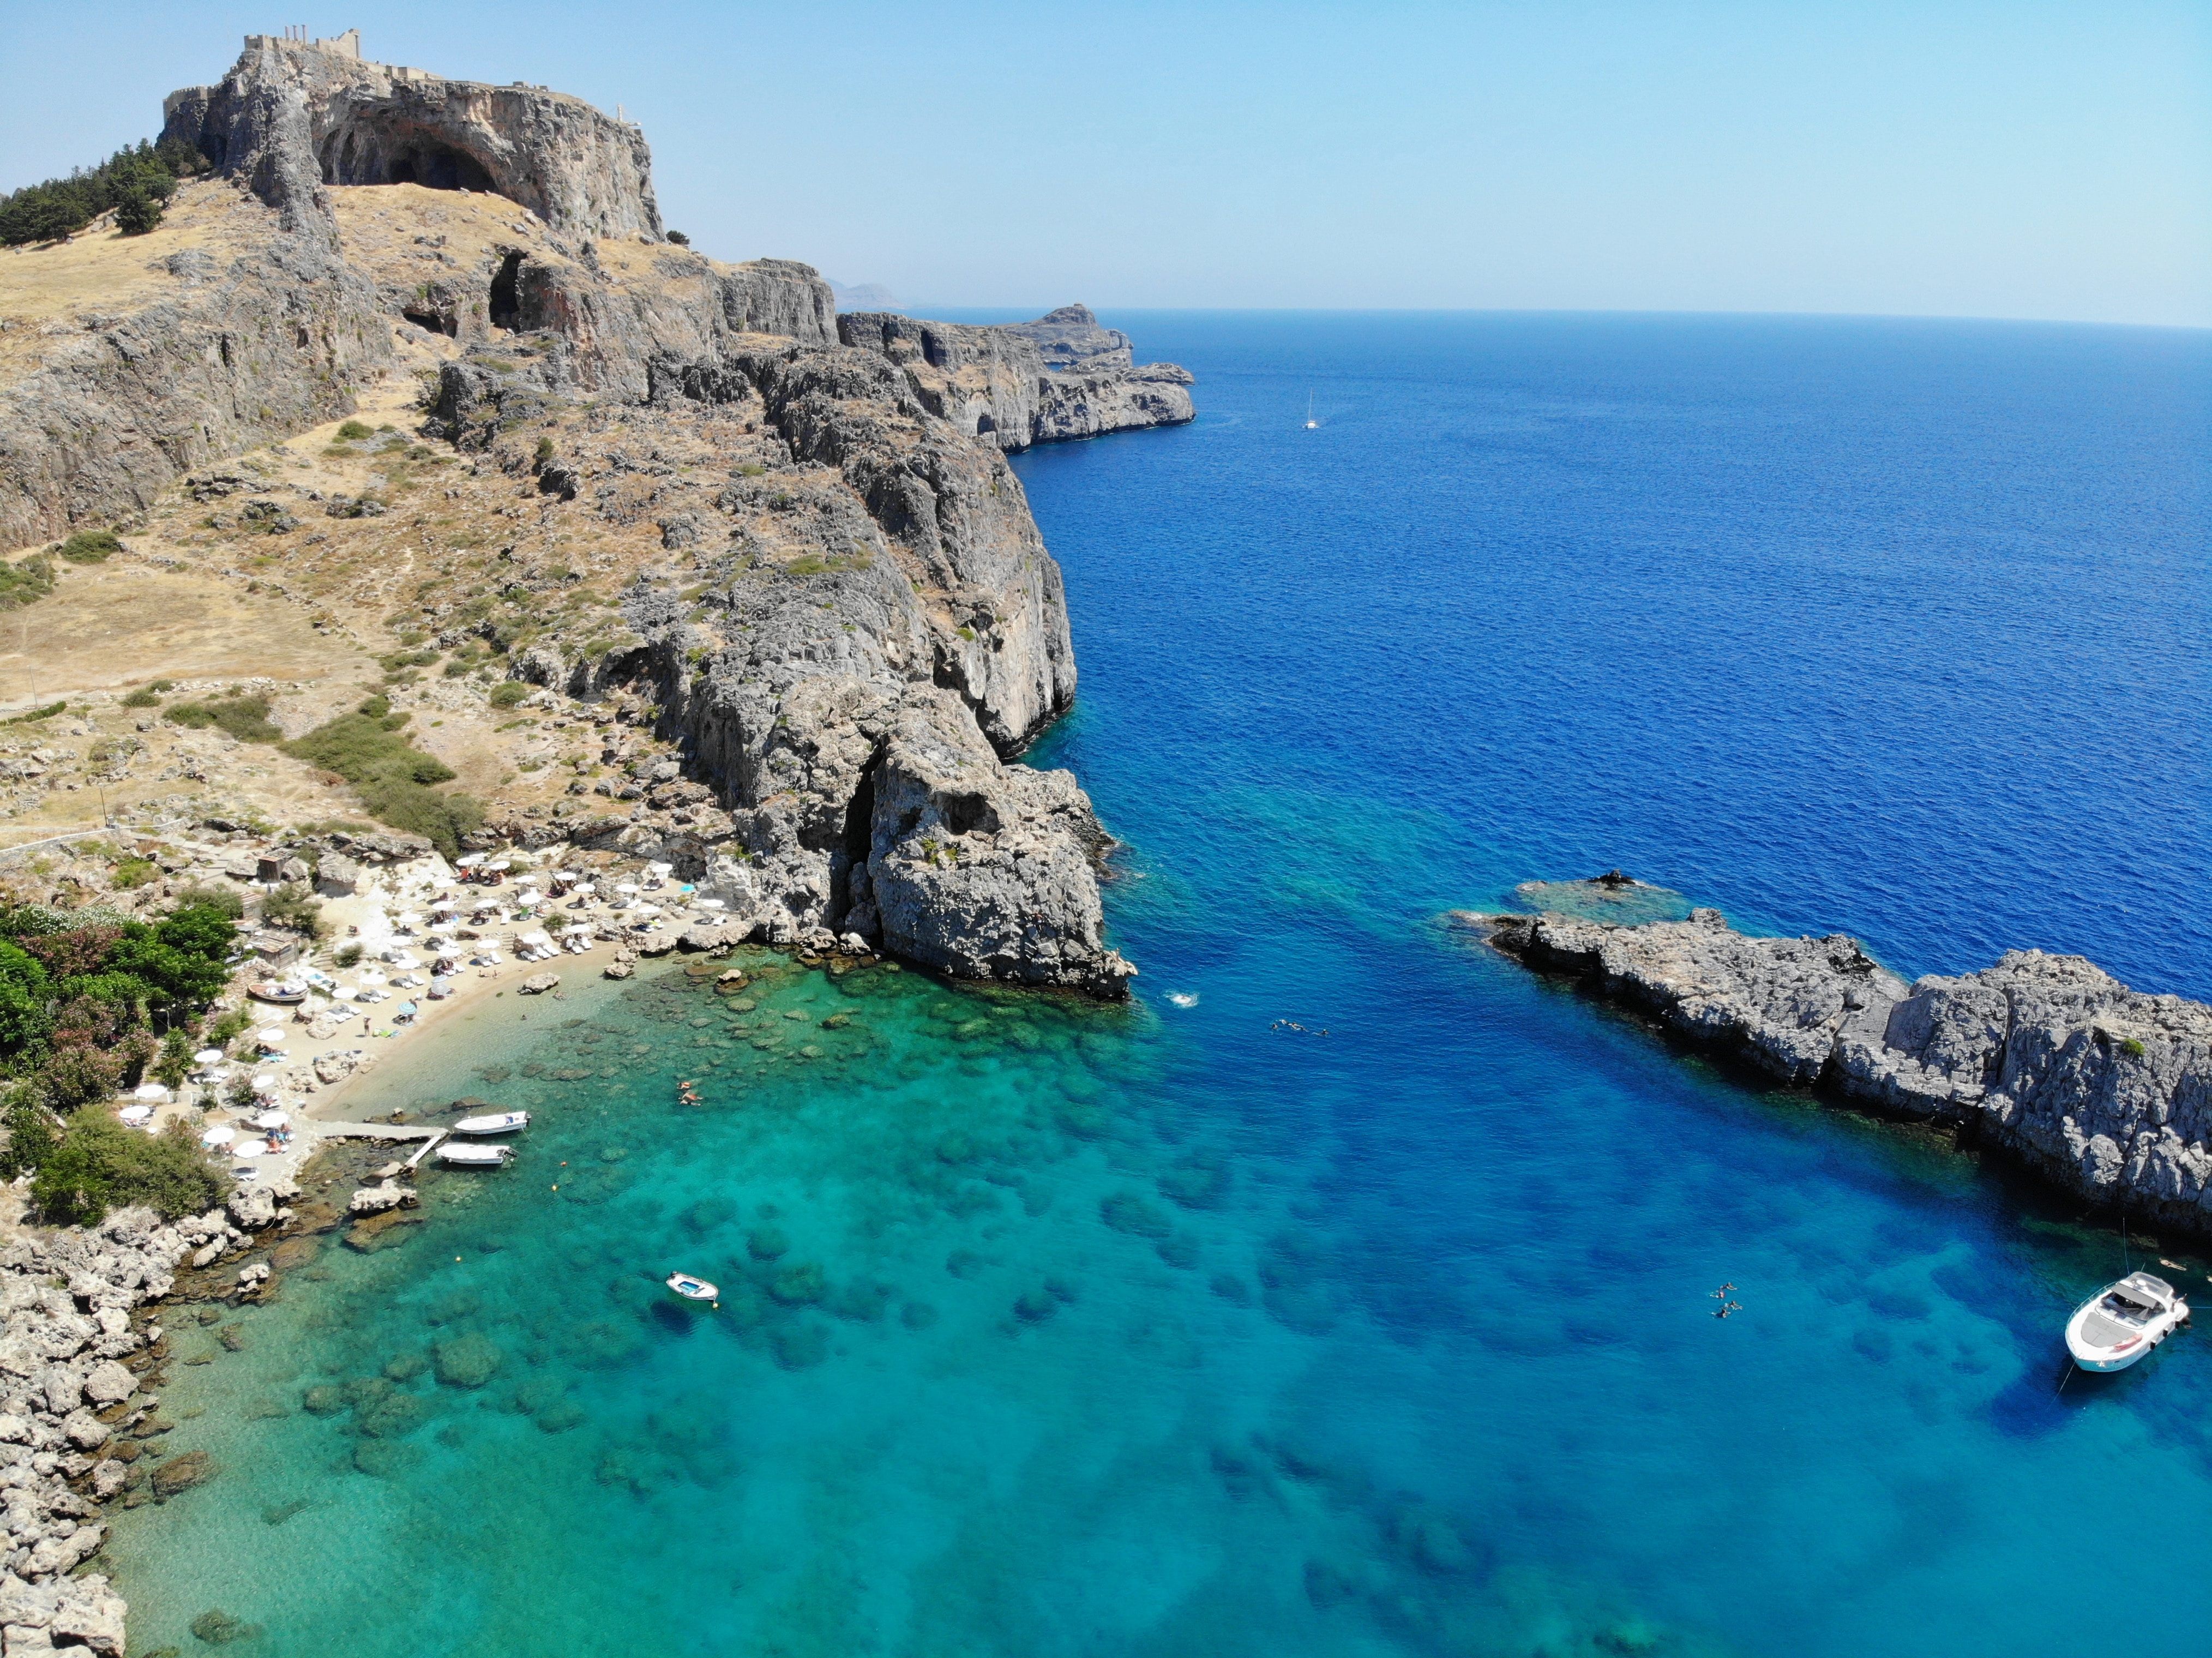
505	311
985	423
439	167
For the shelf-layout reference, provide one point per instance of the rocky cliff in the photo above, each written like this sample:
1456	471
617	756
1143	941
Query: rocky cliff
292	114
1062	376
2105	1090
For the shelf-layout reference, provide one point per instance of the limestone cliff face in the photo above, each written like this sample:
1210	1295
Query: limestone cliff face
1061	377
259	331
2105	1090
290	115
870	628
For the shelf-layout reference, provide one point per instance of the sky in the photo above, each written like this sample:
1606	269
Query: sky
2019	158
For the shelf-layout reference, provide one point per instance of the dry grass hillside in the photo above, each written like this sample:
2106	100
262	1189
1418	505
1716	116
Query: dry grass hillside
354	560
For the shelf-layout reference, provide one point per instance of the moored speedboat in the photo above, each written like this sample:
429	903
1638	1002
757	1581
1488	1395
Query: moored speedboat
285	994
693	1289
466	1155
498	1123
2123	1322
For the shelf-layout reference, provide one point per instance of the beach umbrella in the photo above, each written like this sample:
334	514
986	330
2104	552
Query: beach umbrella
468	861
661	869
152	1091
250	1148
710	903
404	960
501	864
271	1119
408	920
219	1136
133	1115
209	1056
580	927
265	1082
270	1037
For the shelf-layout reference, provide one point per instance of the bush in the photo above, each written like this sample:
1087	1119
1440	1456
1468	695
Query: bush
394	778
132	872
138	212
229	1027
507	693
353	431
98	1164
145	697
90	547
246	718
292	906
33	1133
679	239
348	956
25	583
223	901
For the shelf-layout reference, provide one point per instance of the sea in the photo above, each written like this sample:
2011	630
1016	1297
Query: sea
1351	1292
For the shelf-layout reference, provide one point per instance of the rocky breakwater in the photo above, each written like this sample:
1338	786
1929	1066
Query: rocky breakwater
1014	385
77	1422
2105	1090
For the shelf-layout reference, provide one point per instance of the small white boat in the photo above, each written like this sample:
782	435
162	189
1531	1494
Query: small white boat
2123	1322
498	1123
284	994
468	1154
693	1289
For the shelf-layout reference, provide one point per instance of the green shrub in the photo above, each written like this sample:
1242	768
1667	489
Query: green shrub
90	547
24	583
679	239
220	900
98	1164
507	693
246	718
291	905
353	431
394	777
2133	1049
348	956
132	872
229	1028
143	697
138	212
47	211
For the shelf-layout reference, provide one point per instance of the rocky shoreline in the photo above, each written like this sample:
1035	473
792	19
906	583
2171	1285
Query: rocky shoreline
2105	1091
80	1416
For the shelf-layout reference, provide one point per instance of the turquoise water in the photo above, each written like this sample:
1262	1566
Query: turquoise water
1053	1329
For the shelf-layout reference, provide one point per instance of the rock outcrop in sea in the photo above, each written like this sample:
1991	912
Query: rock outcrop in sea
858	627
2105	1090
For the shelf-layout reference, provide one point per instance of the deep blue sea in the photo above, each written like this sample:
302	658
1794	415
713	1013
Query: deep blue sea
1051	1330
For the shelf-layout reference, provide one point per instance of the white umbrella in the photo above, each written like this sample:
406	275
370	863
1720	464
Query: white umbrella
270	1037
536	938
209	1056
404	960
250	1148
132	1115
501	864
580	927
265	1082
468	862
711	903
271	1119
370	975
661	869
152	1091
444	903
586	889
345	992
408	921
627	887
219	1136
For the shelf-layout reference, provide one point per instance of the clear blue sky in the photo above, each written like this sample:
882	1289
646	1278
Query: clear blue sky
2021	159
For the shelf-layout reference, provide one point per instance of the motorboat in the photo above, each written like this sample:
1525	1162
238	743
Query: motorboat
286	992
2123	1322
693	1289
498	1123
466	1154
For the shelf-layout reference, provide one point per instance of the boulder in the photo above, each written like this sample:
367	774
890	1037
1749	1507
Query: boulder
109	1384
617	970
539	983
375	1199
334	1066
336	876
467	1361
183	1472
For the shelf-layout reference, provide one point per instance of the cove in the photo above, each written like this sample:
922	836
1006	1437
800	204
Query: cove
1055	1329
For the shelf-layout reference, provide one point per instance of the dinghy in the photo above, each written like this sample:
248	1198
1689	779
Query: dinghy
285	995
693	1289
2123	1322
468	1154
498	1123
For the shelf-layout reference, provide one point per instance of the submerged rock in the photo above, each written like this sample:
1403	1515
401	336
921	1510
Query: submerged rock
468	1361
183	1472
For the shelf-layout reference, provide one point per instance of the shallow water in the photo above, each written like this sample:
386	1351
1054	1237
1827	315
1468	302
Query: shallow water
1055	1329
